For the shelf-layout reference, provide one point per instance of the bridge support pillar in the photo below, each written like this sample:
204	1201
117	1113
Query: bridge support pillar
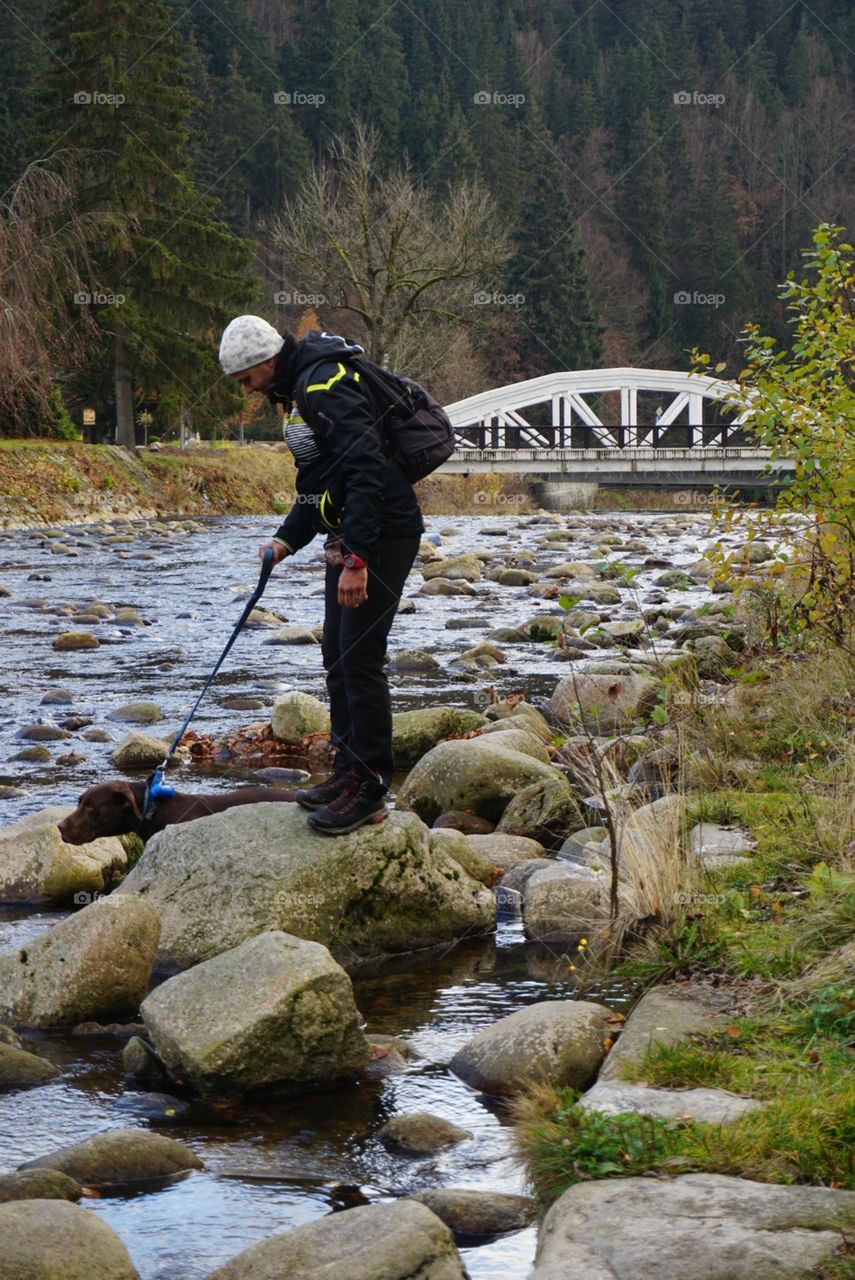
566	495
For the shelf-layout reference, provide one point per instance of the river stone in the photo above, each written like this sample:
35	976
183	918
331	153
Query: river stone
564	902
571	569
415	732
376	891
295	715
292	635
557	1040
55	1240
36	865
514	577
463	568
661	1018
58	697
33	755
398	1241
446	587
128	616
138	713
478	1213
43	733
454	844
420	1134
543	811
705	1106
653	832
608	703
276	1010
93	965
574	848
19	1069
119	1156
413	660
71	641
701	1226
472	774
139	751
505	851
38	1184
517	739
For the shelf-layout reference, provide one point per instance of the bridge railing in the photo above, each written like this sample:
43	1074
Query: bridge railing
581	436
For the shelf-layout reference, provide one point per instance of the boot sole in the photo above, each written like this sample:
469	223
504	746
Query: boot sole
342	831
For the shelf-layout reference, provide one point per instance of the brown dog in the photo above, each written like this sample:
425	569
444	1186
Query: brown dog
116	808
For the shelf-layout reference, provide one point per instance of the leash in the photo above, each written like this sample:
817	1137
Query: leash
155	789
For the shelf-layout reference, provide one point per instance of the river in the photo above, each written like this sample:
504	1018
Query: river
275	1166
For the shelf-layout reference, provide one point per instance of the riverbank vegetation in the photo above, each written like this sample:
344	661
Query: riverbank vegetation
765	743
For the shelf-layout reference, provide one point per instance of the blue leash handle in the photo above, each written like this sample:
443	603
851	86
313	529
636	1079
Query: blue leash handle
155	788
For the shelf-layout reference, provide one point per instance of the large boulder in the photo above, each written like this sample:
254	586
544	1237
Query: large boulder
604	703
38	1184
701	1226
415	732
379	890
295	715
55	1240
19	1069
558	1040
36	865
276	1010
471	1214
119	1157
458	846
474	774
463	568
662	1018
92	966
505	851
399	1241
564	902
544	811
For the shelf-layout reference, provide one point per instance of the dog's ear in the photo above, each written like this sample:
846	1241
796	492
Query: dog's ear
124	795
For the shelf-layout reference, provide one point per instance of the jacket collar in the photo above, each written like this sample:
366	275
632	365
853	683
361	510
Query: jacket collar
284	372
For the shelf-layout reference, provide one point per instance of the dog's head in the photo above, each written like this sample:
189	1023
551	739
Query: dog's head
110	809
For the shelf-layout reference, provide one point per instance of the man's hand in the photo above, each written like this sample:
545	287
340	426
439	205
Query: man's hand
279	552
352	587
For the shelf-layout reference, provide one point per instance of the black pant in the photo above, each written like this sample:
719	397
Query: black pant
354	646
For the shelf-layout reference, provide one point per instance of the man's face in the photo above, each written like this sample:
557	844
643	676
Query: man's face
257	377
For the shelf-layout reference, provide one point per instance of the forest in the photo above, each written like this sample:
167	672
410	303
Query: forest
479	192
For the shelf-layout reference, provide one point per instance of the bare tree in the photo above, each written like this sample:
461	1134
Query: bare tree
45	273
380	248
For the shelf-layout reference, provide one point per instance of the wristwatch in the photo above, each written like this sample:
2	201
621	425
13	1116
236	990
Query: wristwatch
352	561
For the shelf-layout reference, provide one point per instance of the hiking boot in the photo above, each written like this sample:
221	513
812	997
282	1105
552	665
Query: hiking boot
316	797
357	804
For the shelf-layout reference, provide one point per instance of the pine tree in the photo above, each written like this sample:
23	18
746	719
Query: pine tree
175	272
548	267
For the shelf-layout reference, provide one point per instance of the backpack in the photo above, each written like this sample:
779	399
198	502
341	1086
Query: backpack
416	428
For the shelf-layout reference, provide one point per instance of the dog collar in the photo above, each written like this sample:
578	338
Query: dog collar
155	790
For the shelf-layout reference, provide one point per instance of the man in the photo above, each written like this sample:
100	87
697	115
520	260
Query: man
350	487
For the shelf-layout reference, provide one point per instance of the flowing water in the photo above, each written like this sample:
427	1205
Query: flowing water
273	1166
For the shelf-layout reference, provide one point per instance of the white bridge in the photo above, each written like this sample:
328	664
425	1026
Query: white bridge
614	426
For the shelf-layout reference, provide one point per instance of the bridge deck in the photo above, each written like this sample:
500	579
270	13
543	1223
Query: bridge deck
706	465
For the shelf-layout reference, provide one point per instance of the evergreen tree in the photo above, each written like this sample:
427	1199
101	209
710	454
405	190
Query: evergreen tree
548	267
174	273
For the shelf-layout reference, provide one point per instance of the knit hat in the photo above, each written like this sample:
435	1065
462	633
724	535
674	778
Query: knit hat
246	341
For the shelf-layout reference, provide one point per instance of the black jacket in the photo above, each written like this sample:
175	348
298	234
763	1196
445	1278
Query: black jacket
356	488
